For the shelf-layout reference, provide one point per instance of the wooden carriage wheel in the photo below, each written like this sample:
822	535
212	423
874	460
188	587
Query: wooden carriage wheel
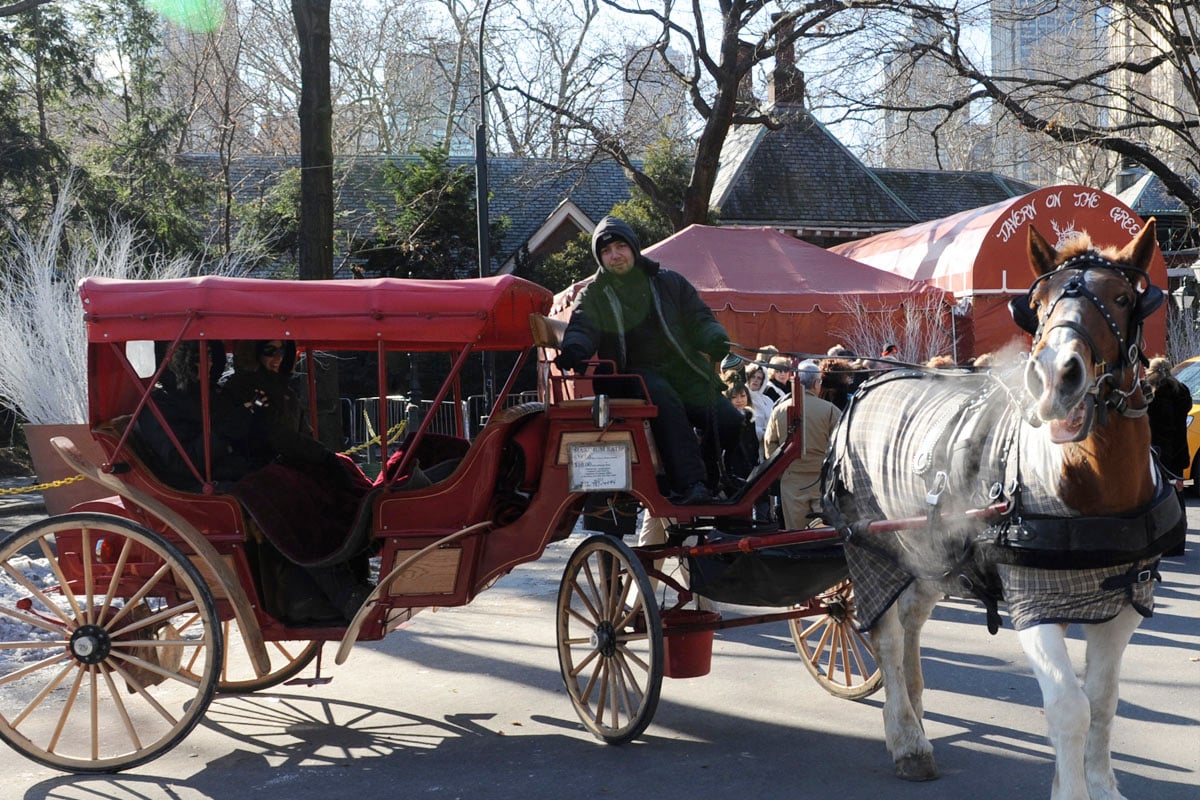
111	647
833	649
237	675
610	643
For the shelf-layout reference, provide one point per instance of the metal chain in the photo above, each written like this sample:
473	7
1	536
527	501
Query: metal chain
40	487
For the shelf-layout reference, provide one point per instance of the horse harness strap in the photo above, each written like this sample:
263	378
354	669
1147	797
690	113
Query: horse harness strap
1074	542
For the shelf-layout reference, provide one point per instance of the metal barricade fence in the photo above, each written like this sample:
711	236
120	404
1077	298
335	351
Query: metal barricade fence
364	417
477	409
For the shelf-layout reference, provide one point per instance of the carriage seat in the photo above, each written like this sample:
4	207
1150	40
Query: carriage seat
547	332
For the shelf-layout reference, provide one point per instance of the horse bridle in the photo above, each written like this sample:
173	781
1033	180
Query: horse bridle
1129	351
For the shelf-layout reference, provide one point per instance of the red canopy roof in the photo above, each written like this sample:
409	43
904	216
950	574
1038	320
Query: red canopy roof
981	253
770	288
493	313
759	269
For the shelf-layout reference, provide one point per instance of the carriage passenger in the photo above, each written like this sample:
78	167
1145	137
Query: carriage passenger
312	522
178	399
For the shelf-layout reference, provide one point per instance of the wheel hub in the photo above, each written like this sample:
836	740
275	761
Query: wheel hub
836	608
604	639
90	644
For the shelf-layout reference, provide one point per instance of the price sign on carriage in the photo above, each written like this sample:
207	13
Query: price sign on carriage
600	467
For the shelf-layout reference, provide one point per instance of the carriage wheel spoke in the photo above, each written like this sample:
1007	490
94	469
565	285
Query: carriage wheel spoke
115	581
122	710
159	616
584	598
63	583
29	586
46	690
137	597
72	696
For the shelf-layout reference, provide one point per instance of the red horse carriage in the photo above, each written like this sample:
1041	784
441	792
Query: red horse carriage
134	610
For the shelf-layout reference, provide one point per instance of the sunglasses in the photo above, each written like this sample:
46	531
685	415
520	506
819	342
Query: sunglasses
271	350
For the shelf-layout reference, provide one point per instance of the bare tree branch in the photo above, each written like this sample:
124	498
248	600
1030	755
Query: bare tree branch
12	9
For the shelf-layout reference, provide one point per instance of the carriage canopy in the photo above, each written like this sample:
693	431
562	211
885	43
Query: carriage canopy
489	313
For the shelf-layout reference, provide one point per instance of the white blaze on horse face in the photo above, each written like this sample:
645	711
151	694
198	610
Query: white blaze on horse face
1057	374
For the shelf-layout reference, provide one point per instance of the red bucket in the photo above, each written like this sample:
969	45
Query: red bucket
687	653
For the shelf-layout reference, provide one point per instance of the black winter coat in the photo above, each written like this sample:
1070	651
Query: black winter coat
1168	424
599	324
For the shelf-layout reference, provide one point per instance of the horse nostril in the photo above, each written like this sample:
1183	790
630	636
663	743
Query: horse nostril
1033	379
1072	373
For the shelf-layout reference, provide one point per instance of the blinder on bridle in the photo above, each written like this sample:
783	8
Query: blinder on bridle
1149	299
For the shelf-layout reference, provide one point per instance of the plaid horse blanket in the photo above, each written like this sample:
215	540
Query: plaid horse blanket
915	443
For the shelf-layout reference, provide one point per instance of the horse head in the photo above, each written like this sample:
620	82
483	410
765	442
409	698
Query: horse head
1085	310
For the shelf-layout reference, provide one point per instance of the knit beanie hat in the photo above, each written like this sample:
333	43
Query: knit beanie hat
609	230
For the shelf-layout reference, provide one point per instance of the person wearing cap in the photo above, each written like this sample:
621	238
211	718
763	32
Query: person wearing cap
778	385
800	484
651	322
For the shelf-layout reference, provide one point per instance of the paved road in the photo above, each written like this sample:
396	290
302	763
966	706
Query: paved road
468	703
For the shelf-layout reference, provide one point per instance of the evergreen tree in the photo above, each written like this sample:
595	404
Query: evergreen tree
668	163
133	168
432	233
45	70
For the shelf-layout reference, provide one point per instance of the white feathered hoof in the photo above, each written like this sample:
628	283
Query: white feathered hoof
917	768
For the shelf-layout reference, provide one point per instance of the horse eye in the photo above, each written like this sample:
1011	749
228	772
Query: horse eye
1123	300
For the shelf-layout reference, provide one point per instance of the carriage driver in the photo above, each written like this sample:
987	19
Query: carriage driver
651	322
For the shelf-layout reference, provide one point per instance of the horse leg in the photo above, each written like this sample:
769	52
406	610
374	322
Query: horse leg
1105	645
897	642
1066	706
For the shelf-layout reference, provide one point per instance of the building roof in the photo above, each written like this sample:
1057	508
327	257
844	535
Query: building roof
800	177
1148	196
1177	236
526	191
931	194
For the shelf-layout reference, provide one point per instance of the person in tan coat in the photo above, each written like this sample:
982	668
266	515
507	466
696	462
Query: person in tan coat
800	486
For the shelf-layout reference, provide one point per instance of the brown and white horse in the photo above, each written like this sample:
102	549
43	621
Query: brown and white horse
1087	513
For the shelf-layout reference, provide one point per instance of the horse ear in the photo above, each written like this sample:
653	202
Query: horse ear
1042	255
1139	251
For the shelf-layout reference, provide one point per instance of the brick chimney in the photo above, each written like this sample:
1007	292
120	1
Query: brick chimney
746	101
786	84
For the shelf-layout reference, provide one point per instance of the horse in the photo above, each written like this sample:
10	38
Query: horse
1035	487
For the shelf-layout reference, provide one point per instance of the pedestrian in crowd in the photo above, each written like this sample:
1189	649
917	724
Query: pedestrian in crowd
1168	415
762	405
779	378
800	485
748	444
839	380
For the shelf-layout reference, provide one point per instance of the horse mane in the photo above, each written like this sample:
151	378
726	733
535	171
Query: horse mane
1079	245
